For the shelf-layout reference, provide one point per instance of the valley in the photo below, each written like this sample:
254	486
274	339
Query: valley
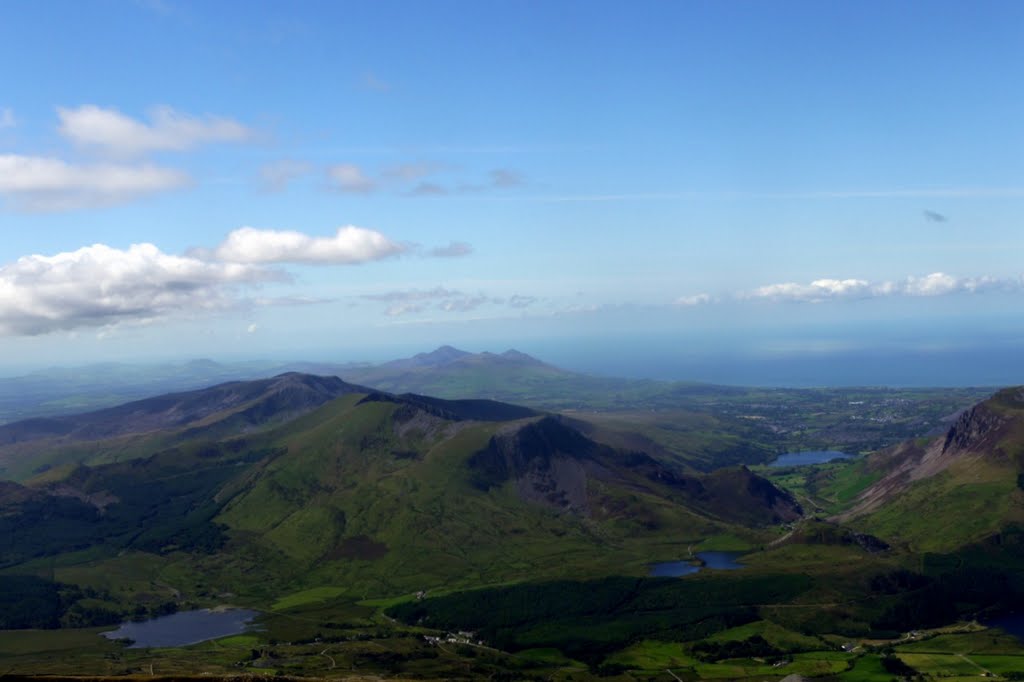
383	532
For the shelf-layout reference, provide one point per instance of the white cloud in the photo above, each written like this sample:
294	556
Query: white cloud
98	285
694	300
350	179
349	245
41	183
168	130
7	119
935	284
818	290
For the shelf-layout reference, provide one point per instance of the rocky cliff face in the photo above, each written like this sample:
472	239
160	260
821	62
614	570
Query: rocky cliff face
976	430
976	435
546	459
550	463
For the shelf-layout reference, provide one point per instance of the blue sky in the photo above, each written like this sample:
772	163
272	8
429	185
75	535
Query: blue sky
347	180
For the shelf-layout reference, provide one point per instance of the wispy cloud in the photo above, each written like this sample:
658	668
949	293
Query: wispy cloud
411	171
519	301
349	178
36	183
497	179
418	179
412	295
427	189
167	130
7	119
349	245
405	302
504	177
453	250
277	175
694	300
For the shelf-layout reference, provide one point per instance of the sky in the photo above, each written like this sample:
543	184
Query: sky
584	180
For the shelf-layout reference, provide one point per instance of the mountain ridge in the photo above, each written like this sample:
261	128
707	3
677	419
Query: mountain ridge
290	391
953	488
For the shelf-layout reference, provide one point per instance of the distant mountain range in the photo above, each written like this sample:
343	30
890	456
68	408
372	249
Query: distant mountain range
709	425
64	390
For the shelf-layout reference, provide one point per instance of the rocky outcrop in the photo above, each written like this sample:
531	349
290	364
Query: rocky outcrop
977	429
818	532
550	463
737	494
975	434
547	460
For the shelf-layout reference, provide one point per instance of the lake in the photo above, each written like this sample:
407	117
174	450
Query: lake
796	459
1012	623
186	627
723	561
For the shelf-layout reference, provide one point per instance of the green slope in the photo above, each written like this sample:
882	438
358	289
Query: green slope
941	494
376	499
373	494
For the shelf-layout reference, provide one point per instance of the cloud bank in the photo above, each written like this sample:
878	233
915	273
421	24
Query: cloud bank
98	285
934	284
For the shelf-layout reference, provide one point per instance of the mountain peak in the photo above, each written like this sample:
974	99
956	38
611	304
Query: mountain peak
519	356
443	355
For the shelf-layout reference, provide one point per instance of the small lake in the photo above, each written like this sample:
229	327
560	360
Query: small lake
796	459
723	561
1012	623
186	627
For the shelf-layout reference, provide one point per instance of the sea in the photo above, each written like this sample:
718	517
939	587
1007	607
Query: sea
975	366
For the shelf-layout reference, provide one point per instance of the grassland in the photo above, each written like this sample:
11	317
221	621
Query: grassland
394	651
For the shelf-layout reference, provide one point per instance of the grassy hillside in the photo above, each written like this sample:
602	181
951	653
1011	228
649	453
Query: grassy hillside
947	492
373	521
368	495
377	498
